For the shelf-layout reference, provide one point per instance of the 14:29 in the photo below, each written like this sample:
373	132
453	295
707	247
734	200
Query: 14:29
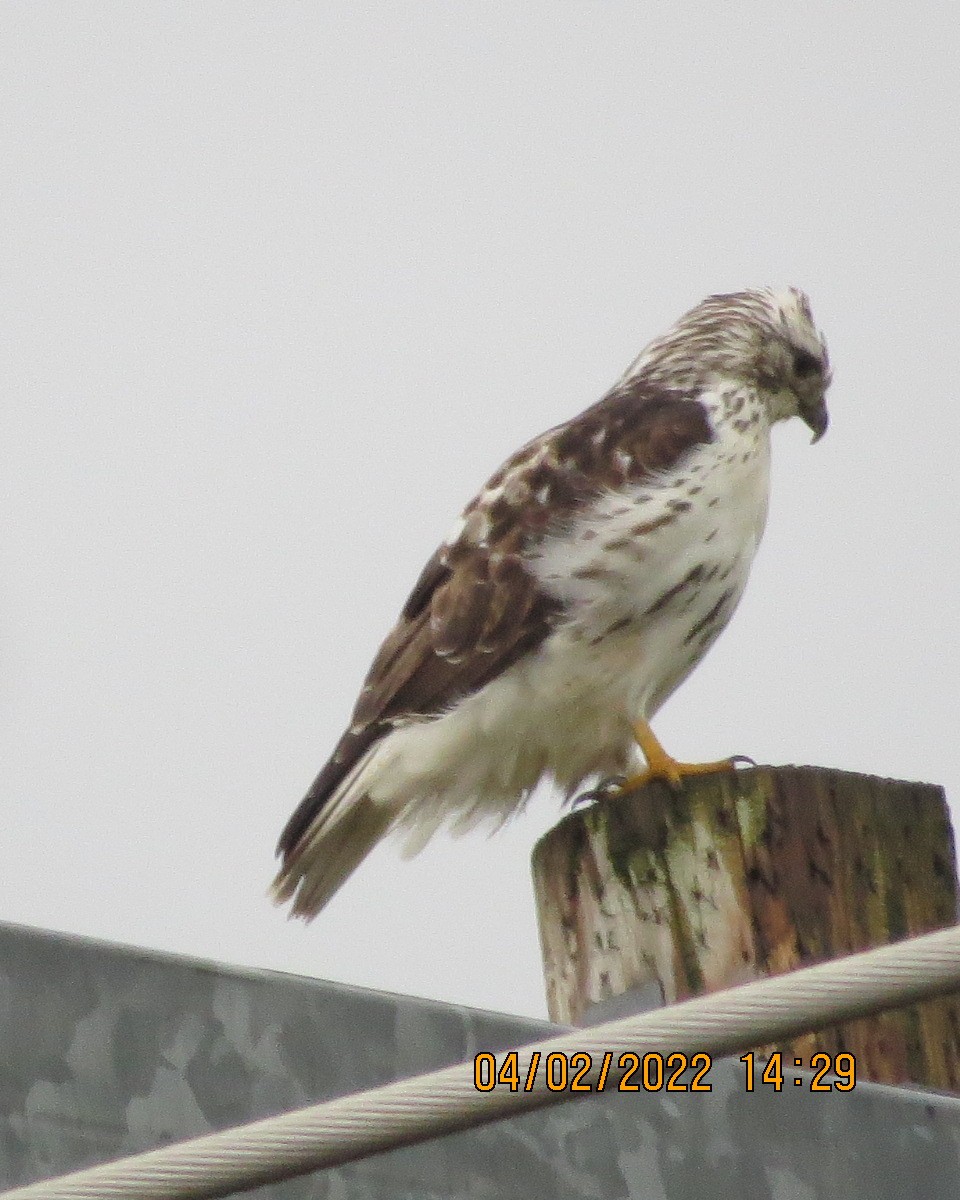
843	1066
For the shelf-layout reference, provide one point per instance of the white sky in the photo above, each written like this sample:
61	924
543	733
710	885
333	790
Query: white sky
282	283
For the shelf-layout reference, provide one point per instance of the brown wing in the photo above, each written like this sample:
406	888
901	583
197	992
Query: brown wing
476	608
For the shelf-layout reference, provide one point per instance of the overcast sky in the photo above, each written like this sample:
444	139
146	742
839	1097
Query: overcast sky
282	283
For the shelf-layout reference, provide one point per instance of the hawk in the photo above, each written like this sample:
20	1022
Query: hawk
578	589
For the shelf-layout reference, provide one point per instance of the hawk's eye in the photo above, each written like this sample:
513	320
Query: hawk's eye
805	363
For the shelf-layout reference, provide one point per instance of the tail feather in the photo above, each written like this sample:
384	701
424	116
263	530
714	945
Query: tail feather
340	772
328	837
328	852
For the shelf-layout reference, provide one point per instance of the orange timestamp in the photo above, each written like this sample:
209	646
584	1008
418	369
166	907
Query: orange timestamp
842	1066
581	1072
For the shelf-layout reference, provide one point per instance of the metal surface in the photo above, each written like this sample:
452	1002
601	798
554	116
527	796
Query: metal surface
108	1050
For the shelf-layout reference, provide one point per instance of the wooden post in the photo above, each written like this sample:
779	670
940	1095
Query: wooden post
751	873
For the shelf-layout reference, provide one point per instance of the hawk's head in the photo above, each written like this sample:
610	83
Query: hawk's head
765	338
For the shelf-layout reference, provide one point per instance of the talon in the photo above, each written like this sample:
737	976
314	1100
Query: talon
611	786
660	765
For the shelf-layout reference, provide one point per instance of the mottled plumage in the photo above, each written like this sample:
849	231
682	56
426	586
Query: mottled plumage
579	588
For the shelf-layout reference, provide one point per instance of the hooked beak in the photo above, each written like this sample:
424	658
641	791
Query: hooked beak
815	415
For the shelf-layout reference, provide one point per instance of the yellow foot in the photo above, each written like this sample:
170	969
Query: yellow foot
661	766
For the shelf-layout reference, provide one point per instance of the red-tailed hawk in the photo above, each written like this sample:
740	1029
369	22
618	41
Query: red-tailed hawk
577	591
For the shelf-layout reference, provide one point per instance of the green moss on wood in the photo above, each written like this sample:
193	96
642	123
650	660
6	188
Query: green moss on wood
800	863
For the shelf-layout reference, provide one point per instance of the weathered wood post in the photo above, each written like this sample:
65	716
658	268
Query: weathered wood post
745	874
